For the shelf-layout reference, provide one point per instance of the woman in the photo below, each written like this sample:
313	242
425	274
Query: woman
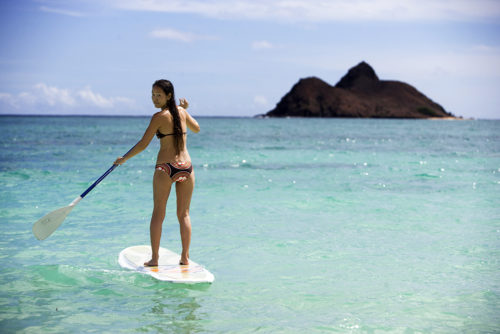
173	165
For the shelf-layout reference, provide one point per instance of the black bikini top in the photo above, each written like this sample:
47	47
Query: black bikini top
160	135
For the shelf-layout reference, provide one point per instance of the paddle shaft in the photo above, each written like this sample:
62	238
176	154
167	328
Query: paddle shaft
89	189
46	225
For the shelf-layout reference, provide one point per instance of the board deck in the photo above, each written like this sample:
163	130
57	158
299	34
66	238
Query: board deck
168	268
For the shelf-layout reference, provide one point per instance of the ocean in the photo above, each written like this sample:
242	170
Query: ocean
309	226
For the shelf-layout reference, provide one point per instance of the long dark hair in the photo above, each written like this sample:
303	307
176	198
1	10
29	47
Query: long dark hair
168	88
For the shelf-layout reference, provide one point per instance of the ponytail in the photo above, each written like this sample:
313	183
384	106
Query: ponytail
168	88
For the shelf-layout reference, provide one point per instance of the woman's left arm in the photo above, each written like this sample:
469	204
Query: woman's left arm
144	142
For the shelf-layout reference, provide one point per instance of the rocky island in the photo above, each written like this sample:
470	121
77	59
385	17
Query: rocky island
360	93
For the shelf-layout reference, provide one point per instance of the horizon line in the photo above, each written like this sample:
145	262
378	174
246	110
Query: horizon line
258	116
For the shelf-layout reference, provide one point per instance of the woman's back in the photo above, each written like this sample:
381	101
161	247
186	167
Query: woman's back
166	136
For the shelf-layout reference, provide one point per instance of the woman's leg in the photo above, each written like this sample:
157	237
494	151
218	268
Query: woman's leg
161	190
184	191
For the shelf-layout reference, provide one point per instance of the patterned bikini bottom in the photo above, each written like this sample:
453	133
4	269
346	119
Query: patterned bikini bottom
178	171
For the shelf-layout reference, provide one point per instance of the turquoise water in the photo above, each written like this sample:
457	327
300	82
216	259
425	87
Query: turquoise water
309	226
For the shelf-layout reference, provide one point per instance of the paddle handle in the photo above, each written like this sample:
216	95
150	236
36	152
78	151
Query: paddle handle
89	189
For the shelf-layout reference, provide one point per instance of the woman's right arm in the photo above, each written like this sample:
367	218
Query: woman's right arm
144	142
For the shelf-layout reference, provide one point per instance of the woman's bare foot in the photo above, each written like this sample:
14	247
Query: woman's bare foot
151	263
184	261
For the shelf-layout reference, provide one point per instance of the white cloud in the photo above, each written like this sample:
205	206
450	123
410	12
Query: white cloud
320	10
480	62
261	101
88	96
483	48
7	98
177	35
50	95
61	11
43	95
260	45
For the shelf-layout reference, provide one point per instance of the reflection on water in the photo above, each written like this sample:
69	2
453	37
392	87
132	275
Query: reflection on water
174	309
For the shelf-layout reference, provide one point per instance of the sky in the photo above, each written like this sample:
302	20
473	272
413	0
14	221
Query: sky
240	57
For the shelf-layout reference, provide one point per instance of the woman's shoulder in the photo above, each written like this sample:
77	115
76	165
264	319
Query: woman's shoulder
161	115
160	118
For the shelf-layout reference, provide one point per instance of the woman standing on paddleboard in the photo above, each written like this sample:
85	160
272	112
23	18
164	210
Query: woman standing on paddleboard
173	164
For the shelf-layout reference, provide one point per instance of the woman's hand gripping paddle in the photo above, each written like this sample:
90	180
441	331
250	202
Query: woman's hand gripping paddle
46	225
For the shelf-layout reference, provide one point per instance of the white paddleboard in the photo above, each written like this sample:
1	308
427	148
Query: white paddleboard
168	268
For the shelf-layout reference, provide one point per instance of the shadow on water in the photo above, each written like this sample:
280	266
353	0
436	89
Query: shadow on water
62	298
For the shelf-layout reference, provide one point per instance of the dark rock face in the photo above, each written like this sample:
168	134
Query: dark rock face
360	93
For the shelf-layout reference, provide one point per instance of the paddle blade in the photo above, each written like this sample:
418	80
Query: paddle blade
46	225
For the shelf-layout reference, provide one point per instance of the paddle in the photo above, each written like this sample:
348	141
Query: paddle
46	225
